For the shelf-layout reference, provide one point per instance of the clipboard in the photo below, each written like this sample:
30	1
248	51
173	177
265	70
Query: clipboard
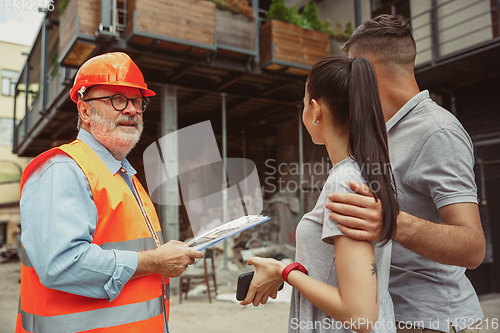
226	230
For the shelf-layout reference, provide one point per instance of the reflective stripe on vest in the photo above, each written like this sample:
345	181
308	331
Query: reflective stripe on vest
90	320
140	244
136	245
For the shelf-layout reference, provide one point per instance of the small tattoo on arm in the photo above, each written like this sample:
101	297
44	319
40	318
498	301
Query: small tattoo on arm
374	272
374	268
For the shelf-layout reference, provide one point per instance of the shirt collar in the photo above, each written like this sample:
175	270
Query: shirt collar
104	154
409	106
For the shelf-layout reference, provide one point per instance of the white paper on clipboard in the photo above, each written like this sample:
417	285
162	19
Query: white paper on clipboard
226	230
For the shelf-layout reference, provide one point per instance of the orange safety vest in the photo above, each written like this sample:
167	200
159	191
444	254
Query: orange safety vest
121	225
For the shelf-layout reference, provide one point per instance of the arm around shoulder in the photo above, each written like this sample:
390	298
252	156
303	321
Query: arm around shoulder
458	241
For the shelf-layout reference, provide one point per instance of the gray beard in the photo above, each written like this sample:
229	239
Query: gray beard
105	131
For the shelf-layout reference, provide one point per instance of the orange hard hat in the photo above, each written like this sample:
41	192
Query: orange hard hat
110	69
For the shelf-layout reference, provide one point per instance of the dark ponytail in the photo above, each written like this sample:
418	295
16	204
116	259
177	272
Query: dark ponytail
368	141
349	88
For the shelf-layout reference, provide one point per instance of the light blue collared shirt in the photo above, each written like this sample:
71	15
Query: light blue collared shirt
58	221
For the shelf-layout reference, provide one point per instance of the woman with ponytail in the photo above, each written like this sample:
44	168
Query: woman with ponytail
339	284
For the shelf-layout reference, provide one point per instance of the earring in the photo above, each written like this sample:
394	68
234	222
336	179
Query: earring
315	122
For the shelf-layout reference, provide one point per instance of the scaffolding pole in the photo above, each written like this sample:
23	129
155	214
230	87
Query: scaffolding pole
224	173
301	158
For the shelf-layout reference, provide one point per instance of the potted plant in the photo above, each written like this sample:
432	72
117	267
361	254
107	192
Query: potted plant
179	25
78	22
236	27
293	42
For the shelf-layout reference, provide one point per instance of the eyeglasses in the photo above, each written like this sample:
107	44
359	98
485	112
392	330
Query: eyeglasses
120	102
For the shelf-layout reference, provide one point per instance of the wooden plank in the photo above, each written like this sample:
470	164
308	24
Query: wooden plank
191	20
305	37
141	40
167	17
235	30
274	67
67	29
181	26
297	71
185	6
88	5
79	54
130	16
187	30
90	16
171	19
182	48
179	8
191	37
300	48
293	44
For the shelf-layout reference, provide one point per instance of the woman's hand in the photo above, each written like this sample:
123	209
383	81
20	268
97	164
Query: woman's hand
266	280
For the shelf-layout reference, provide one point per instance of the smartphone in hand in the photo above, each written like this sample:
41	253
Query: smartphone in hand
243	285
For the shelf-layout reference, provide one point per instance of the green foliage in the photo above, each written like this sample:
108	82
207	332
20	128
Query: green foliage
62	7
53	65
235	6
278	11
221	4
309	19
339	31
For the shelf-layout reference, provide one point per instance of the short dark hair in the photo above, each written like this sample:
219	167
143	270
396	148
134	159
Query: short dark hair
388	38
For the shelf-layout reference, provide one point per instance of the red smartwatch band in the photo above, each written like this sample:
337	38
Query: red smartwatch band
291	267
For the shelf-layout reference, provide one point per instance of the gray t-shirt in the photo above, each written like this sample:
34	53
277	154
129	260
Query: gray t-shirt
315	250
432	159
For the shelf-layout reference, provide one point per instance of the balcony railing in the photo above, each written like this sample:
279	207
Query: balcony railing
450	27
54	86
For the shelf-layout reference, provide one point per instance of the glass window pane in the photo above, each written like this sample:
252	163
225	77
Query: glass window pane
5	86
8	82
6	131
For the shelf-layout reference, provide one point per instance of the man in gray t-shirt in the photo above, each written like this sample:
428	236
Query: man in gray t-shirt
439	230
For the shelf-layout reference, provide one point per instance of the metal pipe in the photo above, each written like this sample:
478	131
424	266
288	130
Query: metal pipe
43	68
453	103
224	173
435	31
255	7
357	12
14	139
114	17
301	159
169	124
26	92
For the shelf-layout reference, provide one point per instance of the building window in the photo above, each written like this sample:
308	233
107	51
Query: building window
6	131
8	82
398	7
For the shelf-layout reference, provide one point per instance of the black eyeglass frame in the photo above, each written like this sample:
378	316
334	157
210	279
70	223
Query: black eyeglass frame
146	100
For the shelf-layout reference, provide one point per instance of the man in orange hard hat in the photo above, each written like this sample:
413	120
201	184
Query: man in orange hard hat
93	255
